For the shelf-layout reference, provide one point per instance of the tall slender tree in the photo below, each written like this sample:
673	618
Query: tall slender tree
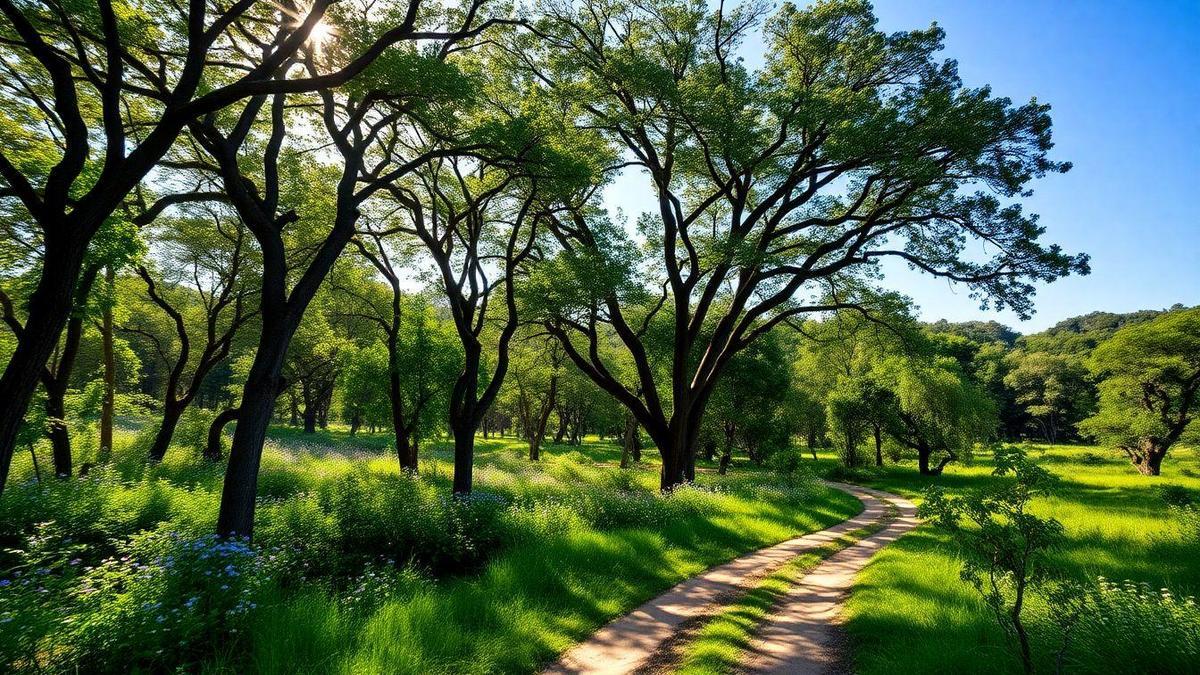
373	127
200	285
478	226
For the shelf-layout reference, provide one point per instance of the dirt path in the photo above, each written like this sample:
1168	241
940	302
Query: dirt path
802	635
628	643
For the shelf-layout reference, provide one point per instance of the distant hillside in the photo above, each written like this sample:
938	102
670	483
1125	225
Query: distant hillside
979	331
1075	335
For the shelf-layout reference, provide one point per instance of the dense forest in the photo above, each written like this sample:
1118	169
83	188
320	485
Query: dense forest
234	231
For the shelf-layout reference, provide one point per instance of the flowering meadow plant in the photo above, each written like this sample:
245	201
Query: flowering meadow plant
161	602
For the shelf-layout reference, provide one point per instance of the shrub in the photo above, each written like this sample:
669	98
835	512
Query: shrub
37	578
1175	495
1006	545
1132	627
167	601
163	602
1188	519
785	461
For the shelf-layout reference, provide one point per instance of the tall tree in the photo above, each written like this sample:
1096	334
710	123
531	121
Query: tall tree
537	370
115	245
375	127
199	284
96	95
477	227
420	358
1054	390
939	410
108	407
1150	388
775	189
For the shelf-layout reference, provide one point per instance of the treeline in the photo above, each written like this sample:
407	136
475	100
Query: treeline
935	391
394	215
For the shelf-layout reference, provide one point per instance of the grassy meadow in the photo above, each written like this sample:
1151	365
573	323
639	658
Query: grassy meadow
356	568
910	612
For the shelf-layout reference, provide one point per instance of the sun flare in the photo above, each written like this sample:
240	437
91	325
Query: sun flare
321	34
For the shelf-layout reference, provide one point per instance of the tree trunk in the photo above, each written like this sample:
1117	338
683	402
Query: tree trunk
110	373
629	449
310	415
55	383
536	434
212	449
464	455
49	310
562	428
60	438
925	453
724	465
727	451
404	452
236	517
1148	457
162	439
1019	627
878	446
294	410
679	459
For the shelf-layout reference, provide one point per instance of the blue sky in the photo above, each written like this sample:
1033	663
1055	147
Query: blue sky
1124	82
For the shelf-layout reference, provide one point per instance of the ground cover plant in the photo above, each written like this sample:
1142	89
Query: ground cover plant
356	567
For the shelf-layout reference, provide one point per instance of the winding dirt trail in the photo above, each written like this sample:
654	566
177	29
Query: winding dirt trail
802	635
629	642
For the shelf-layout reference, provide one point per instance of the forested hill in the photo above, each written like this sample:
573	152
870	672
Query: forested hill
1042	382
1070	336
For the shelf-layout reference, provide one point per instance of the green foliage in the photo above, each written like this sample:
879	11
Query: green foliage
364	388
362	545
1129	622
1054	390
909	611
1150	382
939	408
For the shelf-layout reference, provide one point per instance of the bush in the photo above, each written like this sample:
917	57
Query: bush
1132	627
1175	495
163	602
1188	518
785	461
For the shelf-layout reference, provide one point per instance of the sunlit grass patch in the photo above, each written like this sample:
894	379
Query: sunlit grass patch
389	573
910	612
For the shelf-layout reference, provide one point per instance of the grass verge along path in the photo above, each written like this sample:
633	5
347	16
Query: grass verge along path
630	642
719	645
802	635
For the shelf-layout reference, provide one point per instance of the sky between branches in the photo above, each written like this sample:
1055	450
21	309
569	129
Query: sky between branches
1124	82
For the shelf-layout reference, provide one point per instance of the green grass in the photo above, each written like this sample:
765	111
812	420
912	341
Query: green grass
576	543
910	612
534	601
